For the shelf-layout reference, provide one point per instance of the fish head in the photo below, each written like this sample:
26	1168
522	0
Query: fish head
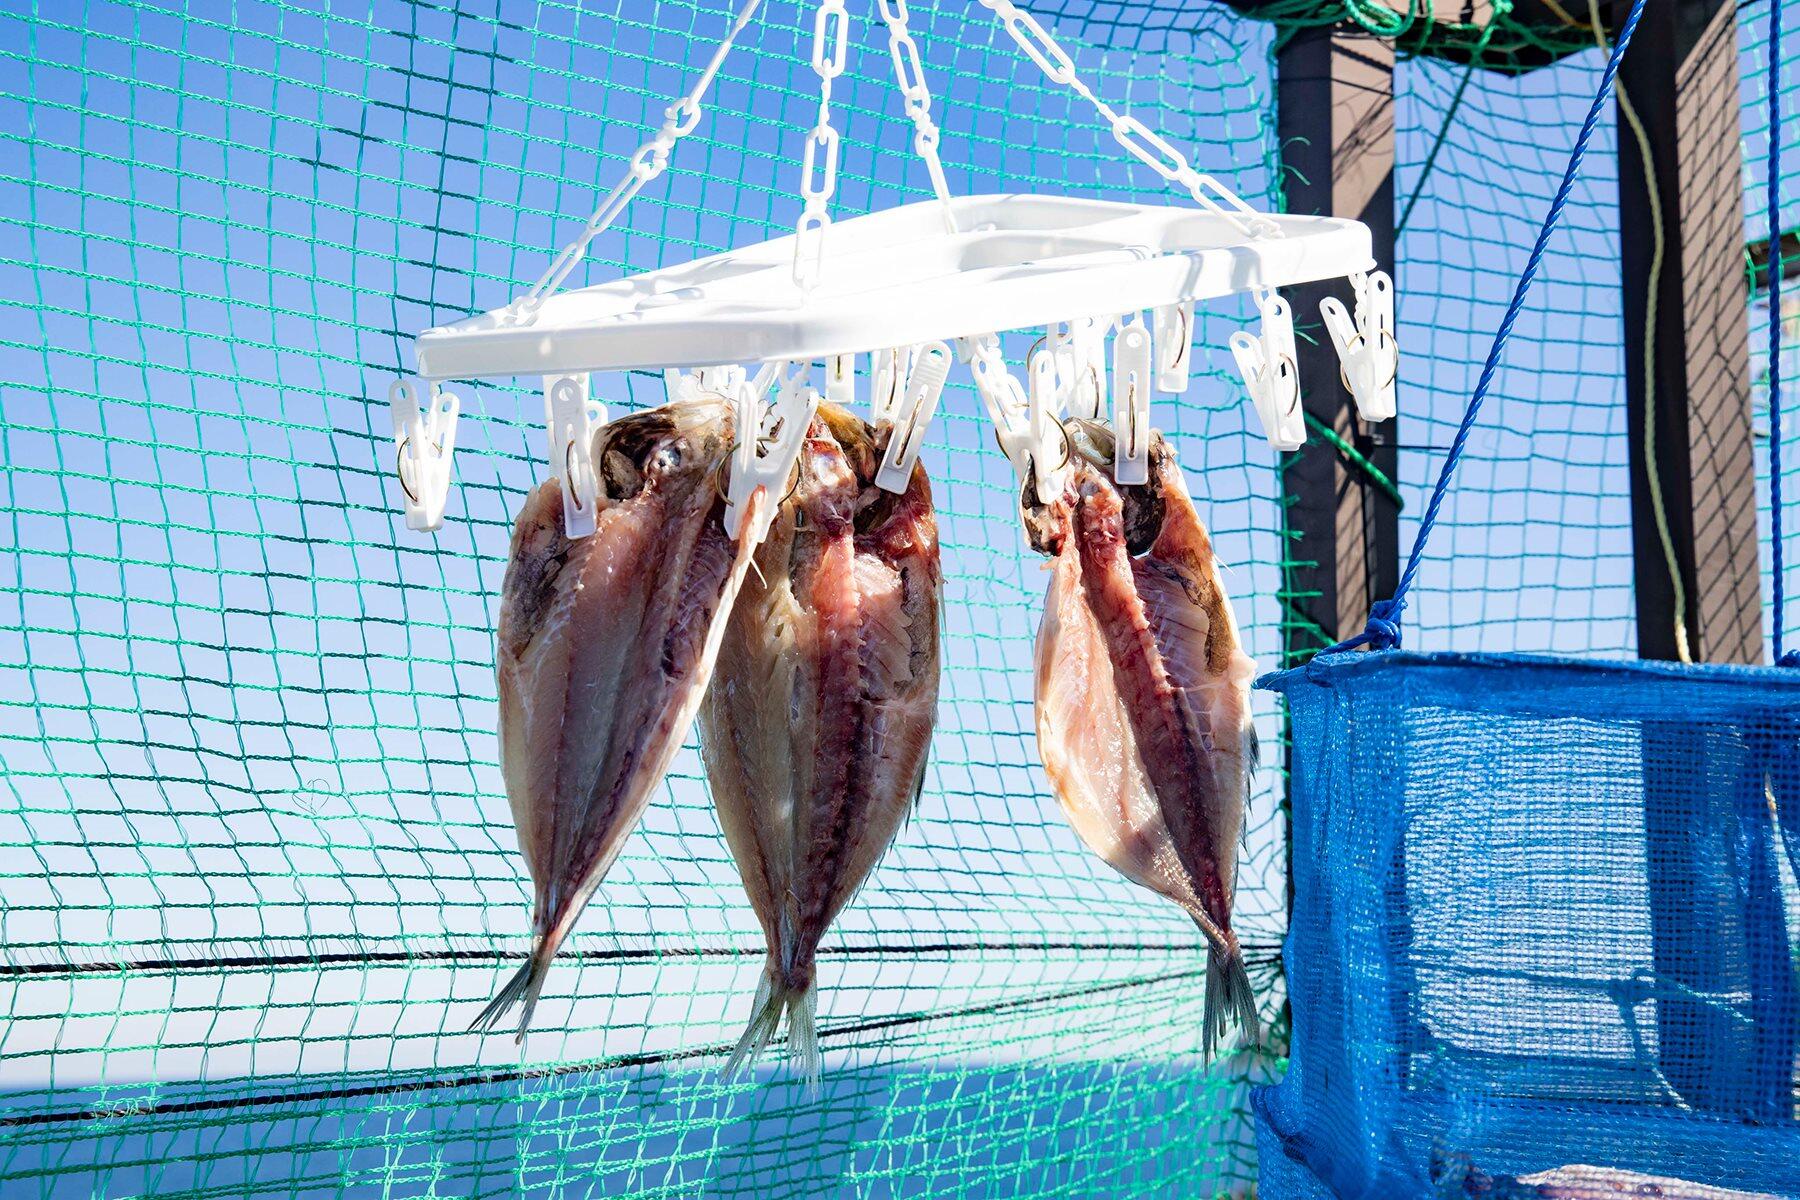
1045	517
648	449
860	446
1092	445
828	483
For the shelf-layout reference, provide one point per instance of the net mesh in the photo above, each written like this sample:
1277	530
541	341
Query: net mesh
260	871
1533	547
1541	918
1755	62
257	871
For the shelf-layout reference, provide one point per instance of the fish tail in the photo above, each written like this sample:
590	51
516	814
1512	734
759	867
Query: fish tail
772	999
803	1034
525	985
1229	997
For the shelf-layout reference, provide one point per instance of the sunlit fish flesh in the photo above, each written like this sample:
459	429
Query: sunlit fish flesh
816	728
605	647
1143	695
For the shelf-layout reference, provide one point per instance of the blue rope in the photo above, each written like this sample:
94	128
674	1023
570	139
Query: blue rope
1774	183
1383	629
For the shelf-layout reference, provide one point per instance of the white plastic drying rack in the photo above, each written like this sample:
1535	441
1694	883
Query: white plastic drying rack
914	287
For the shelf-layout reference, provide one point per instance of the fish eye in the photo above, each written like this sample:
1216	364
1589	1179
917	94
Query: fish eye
668	457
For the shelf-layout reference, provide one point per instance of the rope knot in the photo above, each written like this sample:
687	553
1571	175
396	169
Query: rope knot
1790	659
1383	630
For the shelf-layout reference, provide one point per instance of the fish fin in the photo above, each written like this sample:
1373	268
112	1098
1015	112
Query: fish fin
802	1008
765	1018
803	1035
1229	998
524	986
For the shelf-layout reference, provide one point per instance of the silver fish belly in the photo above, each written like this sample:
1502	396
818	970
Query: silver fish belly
605	647
1143	706
817	726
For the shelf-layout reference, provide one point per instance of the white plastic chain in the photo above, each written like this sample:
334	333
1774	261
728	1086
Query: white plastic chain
646	163
1127	130
818	165
909	77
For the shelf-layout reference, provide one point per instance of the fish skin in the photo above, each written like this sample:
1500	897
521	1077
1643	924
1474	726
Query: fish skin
1143	709
817	728
605	646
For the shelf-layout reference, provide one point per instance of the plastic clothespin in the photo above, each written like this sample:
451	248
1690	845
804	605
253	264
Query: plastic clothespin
931	366
1043	424
572	416
680	385
768	445
1174	346
1004	398
840	379
1267	364
1086	391
1131	402
1022	434
1059	344
422	445
1368	355
888	387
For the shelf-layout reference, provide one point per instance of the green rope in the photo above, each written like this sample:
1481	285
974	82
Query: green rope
1502	8
1354	457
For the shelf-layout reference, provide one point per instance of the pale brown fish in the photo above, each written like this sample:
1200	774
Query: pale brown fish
1143	695
817	726
606	644
1455	1176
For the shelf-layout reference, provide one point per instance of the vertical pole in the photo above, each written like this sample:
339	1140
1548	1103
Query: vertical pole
1335	122
1695	552
1697	587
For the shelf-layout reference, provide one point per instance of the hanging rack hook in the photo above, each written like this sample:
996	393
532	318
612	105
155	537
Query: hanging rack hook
1270	374
571	417
1368	353
423	442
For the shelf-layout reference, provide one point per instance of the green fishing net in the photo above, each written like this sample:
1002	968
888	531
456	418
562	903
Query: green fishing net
257	870
260	871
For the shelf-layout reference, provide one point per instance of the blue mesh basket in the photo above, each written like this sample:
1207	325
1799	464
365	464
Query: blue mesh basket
1544	914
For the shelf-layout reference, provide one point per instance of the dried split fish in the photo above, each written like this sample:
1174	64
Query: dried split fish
606	645
817	726
1143	704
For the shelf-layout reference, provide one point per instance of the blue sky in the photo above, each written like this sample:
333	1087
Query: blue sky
241	705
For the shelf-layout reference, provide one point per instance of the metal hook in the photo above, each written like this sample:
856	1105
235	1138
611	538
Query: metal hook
400	469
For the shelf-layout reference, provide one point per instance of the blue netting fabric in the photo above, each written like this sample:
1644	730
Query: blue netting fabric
1545	913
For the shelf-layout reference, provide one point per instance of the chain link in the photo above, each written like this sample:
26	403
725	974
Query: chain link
818	168
646	163
909	77
1128	131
